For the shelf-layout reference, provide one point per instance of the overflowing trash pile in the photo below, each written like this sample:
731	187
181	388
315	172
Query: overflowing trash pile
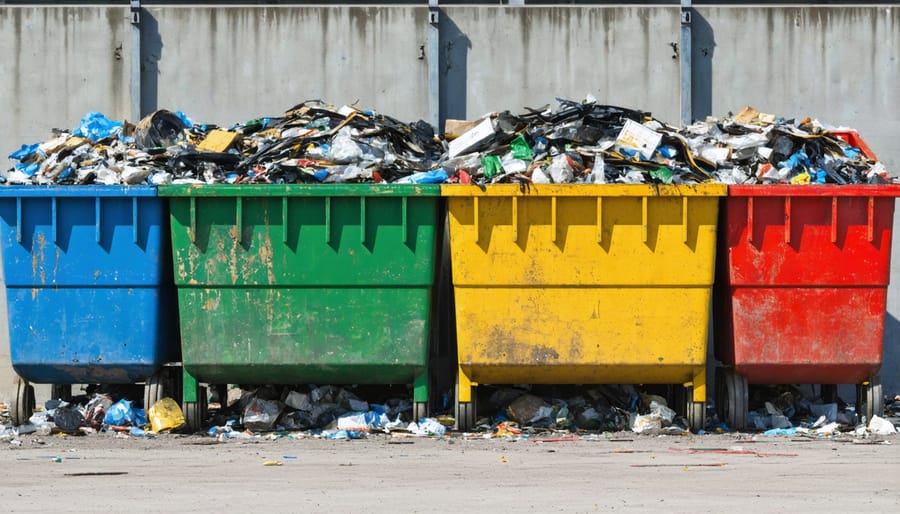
312	142
573	142
585	142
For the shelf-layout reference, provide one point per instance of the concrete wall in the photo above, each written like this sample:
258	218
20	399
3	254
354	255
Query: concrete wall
225	65
838	64
229	64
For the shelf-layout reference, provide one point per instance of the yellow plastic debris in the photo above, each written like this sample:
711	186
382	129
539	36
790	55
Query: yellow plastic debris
165	415
218	141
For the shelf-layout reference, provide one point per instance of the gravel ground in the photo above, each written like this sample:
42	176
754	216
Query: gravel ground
622	472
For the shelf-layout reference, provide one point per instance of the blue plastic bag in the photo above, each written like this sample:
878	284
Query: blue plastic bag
25	152
28	169
121	414
95	126
425	177
184	119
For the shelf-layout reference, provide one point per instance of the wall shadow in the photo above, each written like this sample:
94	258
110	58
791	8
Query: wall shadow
151	53
453	62
703	45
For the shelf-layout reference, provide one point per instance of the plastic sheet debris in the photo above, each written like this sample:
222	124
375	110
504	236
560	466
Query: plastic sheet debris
122	413
165	415
428	427
780	431
260	415
881	426
68	419
345	434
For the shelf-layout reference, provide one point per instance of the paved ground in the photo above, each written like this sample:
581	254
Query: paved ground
620	473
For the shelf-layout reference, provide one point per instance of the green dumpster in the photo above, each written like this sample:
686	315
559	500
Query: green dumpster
291	284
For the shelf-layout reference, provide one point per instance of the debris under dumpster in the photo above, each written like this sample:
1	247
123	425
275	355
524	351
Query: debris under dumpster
789	410
327	411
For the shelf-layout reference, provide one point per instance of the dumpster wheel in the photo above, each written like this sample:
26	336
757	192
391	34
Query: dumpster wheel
23	404
61	392
694	412
870	396
420	410
465	411
154	389
731	398
195	412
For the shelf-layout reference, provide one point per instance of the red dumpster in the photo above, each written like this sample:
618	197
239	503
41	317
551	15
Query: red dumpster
801	290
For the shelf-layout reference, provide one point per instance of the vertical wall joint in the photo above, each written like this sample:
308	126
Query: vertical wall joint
685	60
433	51
135	60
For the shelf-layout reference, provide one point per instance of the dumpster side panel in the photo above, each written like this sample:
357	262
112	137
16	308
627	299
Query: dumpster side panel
823	336
803	282
325	241
585	284
560	335
805	241
305	284
297	335
554	241
88	287
87	335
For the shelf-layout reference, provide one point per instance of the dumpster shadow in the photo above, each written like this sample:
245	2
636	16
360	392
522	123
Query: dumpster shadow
890	378
454	58
703	45
151	53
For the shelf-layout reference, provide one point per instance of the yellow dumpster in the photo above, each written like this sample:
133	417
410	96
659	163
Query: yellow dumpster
582	284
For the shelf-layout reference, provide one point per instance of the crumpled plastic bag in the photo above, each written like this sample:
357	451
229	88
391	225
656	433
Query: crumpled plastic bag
68	419
122	413
560	170
881	426
260	415
359	421
344	149
666	414
427	426
95	126
528	408
646	423
165	415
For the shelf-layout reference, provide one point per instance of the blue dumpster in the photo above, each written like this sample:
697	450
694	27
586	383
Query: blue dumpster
89	287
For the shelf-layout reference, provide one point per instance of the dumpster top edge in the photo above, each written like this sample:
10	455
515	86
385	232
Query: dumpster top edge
270	190
32	191
586	190
826	190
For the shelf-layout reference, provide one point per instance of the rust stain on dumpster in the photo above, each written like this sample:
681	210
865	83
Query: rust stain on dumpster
37	257
233	263
265	251
500	346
